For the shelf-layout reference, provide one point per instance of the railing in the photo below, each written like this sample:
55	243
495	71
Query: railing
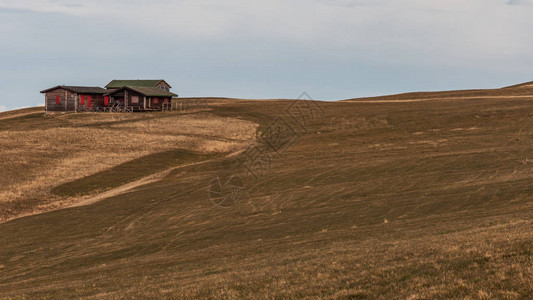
176	105
184	105
166	107
111	109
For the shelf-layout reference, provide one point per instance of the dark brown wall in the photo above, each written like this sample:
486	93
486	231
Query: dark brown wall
120	94
149	101
140	104
71	98
66	97
97	100
139	97
160	101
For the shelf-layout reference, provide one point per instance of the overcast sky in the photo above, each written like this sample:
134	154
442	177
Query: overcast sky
333	49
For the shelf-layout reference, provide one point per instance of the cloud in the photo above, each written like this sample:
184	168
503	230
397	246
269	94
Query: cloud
40	5
393	27
3	108
261	48
352	3
376	23
519	2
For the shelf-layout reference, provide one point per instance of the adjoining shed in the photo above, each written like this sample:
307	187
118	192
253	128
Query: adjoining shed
74	98
141	98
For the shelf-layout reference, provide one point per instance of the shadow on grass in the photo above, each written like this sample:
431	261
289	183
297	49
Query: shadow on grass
130	171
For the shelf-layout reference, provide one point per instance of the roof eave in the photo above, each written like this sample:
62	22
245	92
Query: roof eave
73	90
51	89
140	92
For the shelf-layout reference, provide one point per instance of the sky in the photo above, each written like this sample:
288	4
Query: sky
261	49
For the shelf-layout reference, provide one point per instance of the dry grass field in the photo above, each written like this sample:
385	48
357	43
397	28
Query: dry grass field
41	152
363	199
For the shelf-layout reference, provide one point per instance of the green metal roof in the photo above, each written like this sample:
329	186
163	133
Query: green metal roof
146	91
145	83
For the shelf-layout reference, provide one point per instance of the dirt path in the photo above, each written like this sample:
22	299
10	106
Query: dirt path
124	188
78	202
132	185
143	181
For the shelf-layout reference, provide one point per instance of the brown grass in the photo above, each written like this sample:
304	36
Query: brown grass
20	112
34	161
410	200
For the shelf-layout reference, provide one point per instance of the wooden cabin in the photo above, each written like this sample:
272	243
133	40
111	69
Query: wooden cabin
140	98
73	98
159	83
119	96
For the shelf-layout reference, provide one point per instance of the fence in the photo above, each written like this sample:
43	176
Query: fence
105	109
189	104
176	105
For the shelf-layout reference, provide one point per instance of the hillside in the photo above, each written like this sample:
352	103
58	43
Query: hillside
57	160
524	90
528	85
362	199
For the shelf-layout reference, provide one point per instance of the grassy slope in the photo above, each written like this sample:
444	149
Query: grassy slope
20	112
503	92
130	171
420	199
49	158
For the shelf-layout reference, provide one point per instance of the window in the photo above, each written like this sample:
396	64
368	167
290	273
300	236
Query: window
134	99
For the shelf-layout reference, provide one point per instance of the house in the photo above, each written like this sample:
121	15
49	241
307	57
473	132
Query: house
74	98
119	96
139	98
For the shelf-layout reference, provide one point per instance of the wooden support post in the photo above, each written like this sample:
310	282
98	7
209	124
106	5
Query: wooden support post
76	102
144	102
66	98
125	99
